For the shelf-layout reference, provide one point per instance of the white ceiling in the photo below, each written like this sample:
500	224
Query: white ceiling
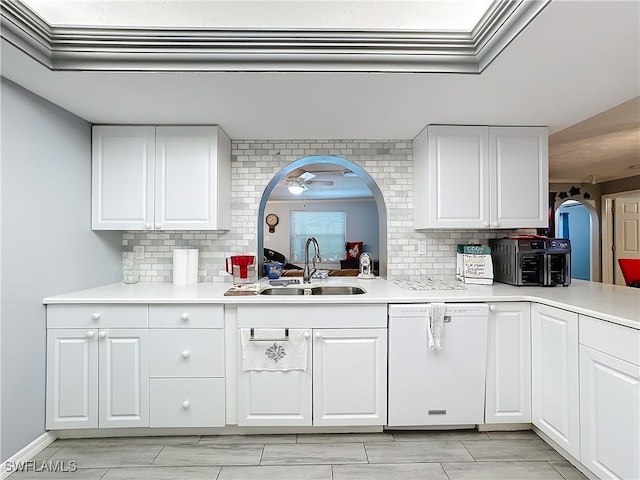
575	60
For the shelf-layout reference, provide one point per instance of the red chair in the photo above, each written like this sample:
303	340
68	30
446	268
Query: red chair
630	271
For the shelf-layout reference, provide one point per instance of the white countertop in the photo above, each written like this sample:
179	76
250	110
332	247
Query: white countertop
616	304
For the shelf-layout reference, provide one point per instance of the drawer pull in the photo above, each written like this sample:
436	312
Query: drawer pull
184	317
90	334
185	404
185	354
253	339
96	316
102	334
307	334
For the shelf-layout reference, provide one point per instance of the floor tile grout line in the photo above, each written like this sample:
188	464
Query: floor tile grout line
468	451
157	455
366	454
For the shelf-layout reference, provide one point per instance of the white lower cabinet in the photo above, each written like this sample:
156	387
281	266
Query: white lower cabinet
508	382
345	383
72	378
350	377
555	399
609	399
275	398
97	378
186	366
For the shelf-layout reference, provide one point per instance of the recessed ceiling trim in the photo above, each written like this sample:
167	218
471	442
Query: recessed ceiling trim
314	50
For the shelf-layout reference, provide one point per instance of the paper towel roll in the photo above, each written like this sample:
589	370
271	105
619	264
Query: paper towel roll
192	266
180	267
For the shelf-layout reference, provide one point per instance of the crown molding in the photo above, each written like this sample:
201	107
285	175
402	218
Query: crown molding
293	50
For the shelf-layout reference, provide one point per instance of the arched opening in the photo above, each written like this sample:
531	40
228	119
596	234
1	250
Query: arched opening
578	220
345	164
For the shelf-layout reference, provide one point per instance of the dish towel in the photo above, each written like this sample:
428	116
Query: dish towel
435	324
273	353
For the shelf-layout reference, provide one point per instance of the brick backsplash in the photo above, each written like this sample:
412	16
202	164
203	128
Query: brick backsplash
255	162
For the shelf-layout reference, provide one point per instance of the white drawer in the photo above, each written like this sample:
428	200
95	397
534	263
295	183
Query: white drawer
186	316
186	352
96	316
616	340
187	402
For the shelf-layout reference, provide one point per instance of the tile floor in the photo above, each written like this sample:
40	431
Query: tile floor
449	455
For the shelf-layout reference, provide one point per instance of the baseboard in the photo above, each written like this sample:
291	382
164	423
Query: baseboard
28	452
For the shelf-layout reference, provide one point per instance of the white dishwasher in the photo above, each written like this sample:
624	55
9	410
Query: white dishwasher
437	387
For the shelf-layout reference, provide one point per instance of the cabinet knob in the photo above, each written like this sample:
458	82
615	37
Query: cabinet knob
185	354
158	226
184	317
496	224
185	404
95	316
492	308
307	334
486	224
148	226
318	335
90	334
102	334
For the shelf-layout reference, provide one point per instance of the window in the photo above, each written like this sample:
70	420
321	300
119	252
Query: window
329	228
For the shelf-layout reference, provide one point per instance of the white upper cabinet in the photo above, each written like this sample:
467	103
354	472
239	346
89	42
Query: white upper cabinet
519	172
193	173
480	177
122	173
161	178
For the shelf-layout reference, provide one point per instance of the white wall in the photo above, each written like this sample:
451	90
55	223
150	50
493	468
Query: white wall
47	246
362	222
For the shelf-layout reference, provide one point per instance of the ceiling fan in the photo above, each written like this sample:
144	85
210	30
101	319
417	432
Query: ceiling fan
299	181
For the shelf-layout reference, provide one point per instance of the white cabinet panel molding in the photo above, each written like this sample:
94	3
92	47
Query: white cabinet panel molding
554	368
508	383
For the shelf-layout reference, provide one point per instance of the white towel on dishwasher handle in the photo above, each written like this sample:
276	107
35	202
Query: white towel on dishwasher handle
435	324
269	351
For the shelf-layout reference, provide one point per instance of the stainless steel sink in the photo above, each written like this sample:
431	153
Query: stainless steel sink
283	291
317	290
336	290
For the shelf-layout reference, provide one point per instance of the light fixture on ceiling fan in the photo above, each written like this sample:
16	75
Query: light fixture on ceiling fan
296	187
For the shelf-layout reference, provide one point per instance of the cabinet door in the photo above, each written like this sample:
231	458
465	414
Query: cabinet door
188	178
520	177
350	377
609	415
458	177
277	398
122	173
554	369
508	387
124	378
72	378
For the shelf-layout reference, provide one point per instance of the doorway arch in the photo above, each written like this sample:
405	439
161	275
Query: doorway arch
341	162
592	235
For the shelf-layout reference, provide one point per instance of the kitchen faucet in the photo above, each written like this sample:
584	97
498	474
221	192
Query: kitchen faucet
308	273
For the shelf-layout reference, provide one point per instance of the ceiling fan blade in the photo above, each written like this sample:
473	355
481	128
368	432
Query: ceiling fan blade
296	173
306	176
320	182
